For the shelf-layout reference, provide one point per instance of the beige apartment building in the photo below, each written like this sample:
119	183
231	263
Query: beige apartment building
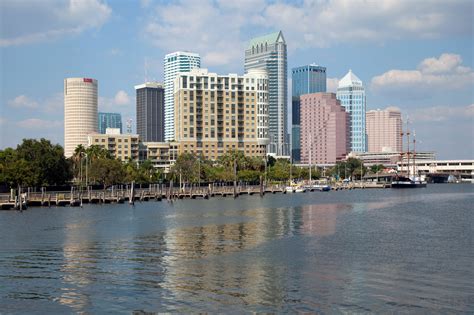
384	130
80	112
162	154
124	147
215	114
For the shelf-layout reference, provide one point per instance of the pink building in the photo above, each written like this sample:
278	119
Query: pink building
384	128
324	134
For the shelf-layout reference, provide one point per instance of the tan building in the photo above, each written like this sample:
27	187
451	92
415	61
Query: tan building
384	129
162	154
215	114
80	112
122	146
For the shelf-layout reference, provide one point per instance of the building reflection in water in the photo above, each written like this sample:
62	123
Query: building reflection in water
78	267
219	261
321	219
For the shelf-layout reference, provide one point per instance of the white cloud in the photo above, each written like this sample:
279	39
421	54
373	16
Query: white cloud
23	101
52	104
445	72
121	98
215	28
26	22
441	113
331	84
37	123
119	101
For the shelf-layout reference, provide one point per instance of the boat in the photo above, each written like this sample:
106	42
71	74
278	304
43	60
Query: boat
295	188
300	189
402	181
407	182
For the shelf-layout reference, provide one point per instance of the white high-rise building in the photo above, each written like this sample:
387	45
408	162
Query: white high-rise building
179	61
269	52
351	93
80	112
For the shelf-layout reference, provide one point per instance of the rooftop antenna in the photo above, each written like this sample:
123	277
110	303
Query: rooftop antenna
146	70
129	125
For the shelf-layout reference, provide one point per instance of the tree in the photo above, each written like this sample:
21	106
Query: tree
107	172
280	171
47	161
186	167
376	168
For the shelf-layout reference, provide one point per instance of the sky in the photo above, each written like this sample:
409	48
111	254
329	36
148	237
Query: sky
414	55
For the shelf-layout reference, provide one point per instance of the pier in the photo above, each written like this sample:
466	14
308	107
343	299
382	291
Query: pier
76	197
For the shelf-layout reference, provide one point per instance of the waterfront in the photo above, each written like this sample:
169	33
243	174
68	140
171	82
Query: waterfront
347	251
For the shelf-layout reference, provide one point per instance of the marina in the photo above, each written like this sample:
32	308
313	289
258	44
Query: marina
157	192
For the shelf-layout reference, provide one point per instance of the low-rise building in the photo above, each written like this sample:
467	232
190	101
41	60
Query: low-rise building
162	154
389	159
124	147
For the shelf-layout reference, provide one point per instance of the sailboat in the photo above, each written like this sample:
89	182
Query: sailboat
408	181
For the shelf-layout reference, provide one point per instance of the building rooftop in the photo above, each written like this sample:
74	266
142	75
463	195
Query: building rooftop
269	39
350	79
149	85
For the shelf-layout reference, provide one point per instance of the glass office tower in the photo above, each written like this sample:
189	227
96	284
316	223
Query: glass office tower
305	80
351	93
269	52
109	120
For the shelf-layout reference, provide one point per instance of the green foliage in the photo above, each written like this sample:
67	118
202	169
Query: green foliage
376	168
280	171
186	167
249	175
350	168
107	171
34	163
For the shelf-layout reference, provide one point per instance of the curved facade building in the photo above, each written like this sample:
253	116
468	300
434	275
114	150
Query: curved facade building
261	94
80	112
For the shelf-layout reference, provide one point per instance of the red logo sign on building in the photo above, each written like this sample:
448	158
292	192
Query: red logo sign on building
88	80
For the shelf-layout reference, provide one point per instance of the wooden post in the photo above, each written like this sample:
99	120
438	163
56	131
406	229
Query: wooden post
19	197
131	199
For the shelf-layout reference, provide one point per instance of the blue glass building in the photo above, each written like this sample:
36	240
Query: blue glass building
305	80
109	120
351	93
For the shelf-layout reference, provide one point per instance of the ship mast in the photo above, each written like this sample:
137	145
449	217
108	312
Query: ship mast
414	154
408	150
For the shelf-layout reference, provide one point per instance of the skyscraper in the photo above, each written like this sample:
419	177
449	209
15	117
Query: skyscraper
109	120
324	126
351	93
269	52
150	111
174	63
80	112
215	114
384	130
305	80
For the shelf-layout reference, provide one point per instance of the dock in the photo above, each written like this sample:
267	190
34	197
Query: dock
76	197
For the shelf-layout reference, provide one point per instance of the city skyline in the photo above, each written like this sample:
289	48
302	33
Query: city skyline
431	82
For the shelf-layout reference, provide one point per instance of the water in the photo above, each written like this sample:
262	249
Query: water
381	251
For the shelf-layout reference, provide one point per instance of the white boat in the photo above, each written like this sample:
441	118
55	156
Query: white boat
290	189
300	189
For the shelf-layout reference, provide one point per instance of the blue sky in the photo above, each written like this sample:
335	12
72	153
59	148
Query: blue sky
415	55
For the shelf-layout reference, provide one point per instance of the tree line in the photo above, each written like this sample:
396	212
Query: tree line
36	163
